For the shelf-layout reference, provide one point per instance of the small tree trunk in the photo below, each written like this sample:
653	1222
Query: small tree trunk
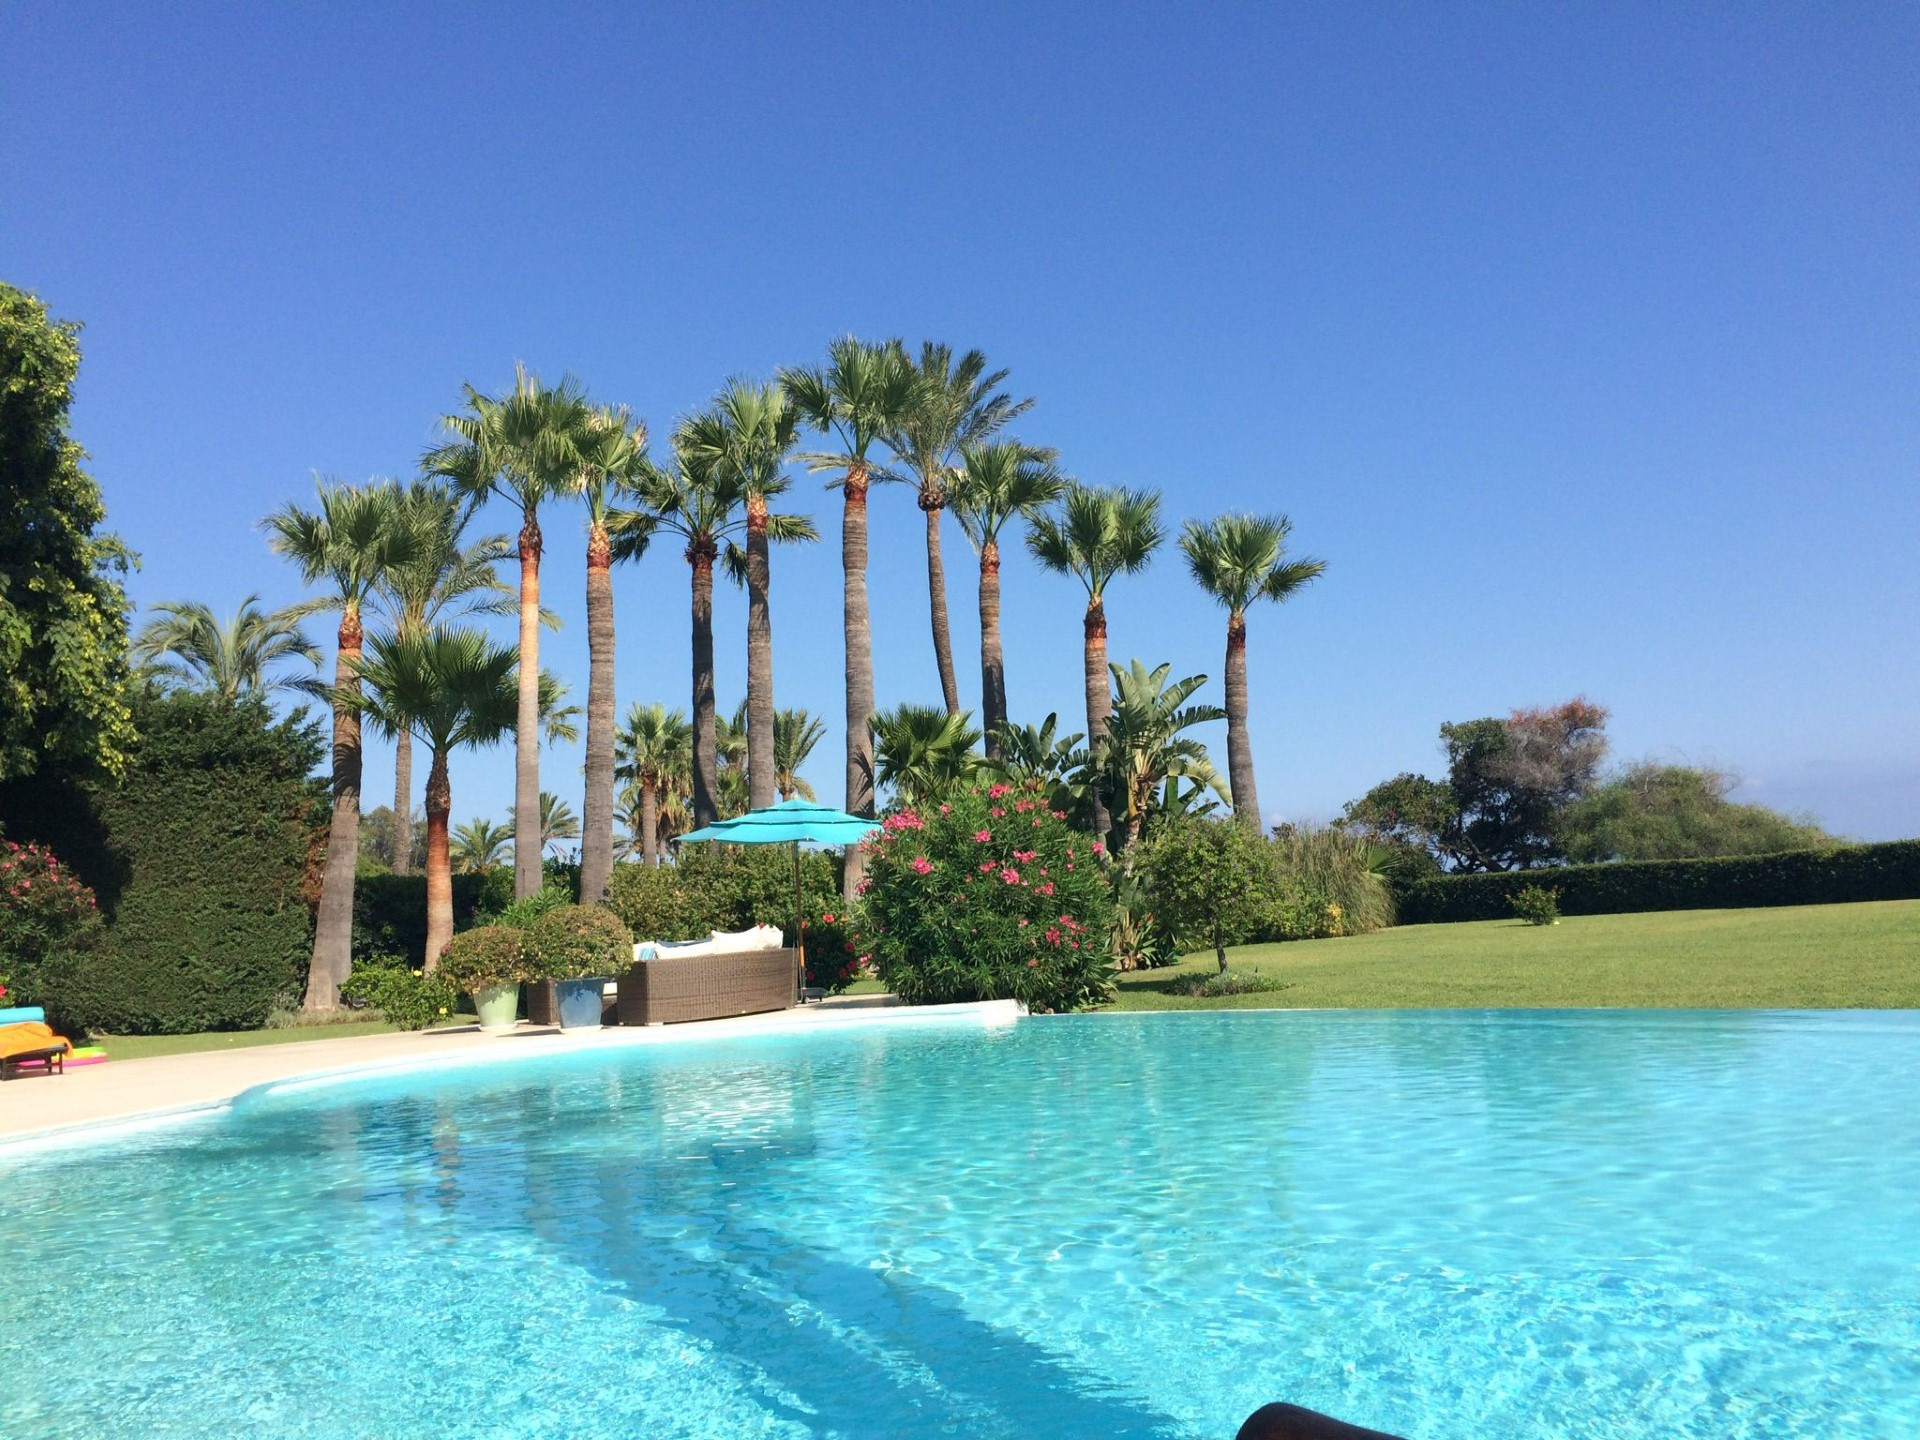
333	928
933	499
859	643
706	763
760	766
402	837
1099	701
649	823
993	678
596	808
439	861
1246	802
526	741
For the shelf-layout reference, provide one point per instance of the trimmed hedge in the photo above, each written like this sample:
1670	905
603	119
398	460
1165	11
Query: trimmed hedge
1847	873
390	911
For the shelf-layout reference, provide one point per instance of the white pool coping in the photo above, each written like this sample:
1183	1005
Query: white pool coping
101	1103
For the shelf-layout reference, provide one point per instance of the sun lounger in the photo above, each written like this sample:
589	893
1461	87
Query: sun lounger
32	1044
728	973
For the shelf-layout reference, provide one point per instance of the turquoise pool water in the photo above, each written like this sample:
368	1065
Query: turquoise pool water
1444	1224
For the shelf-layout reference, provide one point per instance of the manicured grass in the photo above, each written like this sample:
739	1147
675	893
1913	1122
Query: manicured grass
1804	957
138	1047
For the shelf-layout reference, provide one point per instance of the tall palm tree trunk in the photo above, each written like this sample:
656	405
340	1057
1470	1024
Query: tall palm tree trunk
402	837
993	675
932	501
596	809
439	862
760	765
333	928
526	740
706	764
1246	802
859	640
649	823
1093	654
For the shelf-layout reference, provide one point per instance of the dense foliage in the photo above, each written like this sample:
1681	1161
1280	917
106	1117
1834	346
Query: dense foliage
490	955
403	995
579	942
1537	905
390	911
1804	877
1675	812
1211	883
987	895
722	887
48	922
204	853
63	614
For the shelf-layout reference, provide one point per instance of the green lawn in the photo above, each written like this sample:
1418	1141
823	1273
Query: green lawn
1804	957
138	1047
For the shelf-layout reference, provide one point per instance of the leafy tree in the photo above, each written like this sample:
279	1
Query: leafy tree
1146	746
480	845
795	733
1676	812
377	852
63	614
1238	559
525	447
346	545
655	749
1507	781
998	481
188	645
859	396
953	403
920	753
450	688
1210	882
1100	532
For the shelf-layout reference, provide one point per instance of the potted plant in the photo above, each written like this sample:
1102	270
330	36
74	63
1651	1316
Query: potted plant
488	963
579	948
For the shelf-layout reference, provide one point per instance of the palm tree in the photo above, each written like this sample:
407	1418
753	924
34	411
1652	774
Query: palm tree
446	577
998	480
1099	532
921	752
187	644
1238	559
856	398
730	752
1039	757
557	821
1145	747
480	845
449	688
751	431
953	403
524	446
347	544
795	733
655	749
612	459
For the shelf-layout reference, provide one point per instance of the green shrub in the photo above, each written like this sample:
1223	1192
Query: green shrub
1329	883
1537	905
479	959
579	942
390	911
722	887
987	895
1212	883
1847	873
48	922
1227	982
402	995
520	914
832	963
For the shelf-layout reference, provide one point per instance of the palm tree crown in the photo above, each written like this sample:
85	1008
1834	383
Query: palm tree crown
188	644
795	733
480	845
655	755
921	752
1145	745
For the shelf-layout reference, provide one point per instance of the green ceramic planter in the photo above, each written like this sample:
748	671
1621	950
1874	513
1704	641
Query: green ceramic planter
498	1005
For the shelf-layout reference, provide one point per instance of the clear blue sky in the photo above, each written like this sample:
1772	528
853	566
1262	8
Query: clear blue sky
1583	342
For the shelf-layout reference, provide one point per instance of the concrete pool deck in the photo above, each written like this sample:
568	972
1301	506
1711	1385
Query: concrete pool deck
90	1096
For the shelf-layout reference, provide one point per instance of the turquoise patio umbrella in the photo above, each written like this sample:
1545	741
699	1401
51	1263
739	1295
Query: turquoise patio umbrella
794	822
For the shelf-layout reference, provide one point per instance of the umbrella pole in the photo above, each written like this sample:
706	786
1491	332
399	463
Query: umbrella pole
799	931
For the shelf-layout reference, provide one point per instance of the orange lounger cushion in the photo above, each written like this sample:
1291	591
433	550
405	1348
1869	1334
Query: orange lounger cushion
28	1035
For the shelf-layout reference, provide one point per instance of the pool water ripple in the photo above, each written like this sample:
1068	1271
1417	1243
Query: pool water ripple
1444	1224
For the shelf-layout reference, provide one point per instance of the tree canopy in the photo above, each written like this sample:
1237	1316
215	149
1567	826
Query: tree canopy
1676	812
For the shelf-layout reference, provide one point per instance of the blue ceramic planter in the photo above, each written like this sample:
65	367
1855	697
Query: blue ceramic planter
579	1003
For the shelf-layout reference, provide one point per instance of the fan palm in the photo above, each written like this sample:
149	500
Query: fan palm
750	431
188	644
953	403
858	397
921	752
1099	532
613	452
1145	747
448	688
795	733
346	544
524	446
445	577
997	480
1238	559
480	845
655	750
557	821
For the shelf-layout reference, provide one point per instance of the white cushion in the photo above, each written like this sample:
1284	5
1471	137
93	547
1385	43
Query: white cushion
675	949
742	942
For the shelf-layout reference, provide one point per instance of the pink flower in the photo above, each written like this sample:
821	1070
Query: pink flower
985	866
1024	856
1053	934
1036	822
945	809
922	865
1069	867
1098	848
1023	924
1012	877
981	837
994	792
997	812
1047	889
1069	852
1032	963
826	919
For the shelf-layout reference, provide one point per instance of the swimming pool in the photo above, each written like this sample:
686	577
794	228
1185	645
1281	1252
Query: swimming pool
1444	1224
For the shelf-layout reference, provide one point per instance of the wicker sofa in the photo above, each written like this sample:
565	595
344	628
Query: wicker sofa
671	988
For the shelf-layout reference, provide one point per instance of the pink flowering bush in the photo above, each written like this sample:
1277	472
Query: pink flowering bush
47	920
990	895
